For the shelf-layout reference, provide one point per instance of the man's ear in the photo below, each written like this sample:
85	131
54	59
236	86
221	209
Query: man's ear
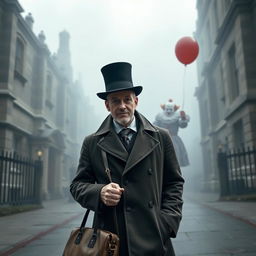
136	99
107	105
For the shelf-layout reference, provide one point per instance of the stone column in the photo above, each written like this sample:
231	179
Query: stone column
45	158
58	191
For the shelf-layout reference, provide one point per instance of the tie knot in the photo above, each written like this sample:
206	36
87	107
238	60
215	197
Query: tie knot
126	136
125	132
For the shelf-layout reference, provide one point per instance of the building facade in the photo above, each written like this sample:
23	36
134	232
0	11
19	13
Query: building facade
41	107
226	93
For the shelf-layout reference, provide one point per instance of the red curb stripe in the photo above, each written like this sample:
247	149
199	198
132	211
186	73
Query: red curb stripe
232	215
25	242
226	213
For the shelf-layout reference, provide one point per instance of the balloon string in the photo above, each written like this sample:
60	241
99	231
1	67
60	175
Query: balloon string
183	88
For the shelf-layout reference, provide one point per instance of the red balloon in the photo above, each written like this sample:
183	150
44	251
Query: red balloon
186	50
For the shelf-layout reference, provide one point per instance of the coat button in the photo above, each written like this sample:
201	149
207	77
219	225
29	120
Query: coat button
150	171
150	204
128	209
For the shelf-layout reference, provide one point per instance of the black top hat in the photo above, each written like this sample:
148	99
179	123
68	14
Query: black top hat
117	77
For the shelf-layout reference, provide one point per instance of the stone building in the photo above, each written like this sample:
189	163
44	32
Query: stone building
226	92
41	107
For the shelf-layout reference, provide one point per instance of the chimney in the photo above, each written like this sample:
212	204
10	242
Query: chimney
64	56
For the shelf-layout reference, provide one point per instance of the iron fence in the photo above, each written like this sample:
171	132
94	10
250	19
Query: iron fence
20	180
237	171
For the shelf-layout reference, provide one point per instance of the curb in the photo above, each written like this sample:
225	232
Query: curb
231	215
247	221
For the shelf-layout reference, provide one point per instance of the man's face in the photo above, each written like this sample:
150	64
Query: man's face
122	106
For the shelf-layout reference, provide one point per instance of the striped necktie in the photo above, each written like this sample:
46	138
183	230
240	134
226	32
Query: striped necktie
124	135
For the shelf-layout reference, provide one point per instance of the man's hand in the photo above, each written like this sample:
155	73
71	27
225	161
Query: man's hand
111	194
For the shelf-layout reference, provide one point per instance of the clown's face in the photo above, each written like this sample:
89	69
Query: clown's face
169	109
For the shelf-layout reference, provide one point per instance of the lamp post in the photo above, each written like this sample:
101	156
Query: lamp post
38	176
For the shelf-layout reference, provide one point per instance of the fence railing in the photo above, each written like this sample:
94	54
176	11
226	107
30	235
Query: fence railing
237	171
20	180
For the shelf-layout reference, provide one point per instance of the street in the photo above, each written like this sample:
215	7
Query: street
204	231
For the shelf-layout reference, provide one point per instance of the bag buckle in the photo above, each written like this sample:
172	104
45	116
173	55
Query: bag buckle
111	246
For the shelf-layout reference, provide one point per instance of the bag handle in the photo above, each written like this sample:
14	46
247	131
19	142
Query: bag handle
107	170
105	161
80	233
84	219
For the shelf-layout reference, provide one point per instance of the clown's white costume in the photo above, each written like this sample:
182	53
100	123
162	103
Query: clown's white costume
172	119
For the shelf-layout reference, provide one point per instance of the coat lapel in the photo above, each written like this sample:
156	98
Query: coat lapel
144	143
112	145
109	141
143	146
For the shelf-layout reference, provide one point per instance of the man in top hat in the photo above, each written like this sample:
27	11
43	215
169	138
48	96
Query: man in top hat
146	188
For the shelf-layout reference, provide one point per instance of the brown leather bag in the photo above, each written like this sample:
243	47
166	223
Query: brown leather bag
86	241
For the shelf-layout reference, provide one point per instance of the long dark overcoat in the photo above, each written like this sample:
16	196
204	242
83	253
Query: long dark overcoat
149	212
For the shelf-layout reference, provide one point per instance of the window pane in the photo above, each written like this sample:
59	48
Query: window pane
19	56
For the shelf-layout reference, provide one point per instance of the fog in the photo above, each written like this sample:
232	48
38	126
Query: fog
142	32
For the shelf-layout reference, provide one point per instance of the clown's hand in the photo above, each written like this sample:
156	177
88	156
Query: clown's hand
184	119
183	115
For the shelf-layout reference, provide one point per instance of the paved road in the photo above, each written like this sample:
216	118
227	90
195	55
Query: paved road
207	232
203	232
51	244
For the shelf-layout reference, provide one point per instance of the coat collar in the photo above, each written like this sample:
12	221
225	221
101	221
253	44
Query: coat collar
144	144
107	124
109	140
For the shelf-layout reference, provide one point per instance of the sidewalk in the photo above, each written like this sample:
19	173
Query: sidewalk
20	229
242	210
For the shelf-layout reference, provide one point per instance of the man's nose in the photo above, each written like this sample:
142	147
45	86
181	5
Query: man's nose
122	105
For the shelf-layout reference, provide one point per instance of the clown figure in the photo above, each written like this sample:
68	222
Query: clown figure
172	119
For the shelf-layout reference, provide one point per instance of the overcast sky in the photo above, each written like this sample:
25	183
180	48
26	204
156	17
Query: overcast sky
142	32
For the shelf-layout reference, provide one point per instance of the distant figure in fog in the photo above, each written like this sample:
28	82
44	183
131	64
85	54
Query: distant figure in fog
146	188
172	119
